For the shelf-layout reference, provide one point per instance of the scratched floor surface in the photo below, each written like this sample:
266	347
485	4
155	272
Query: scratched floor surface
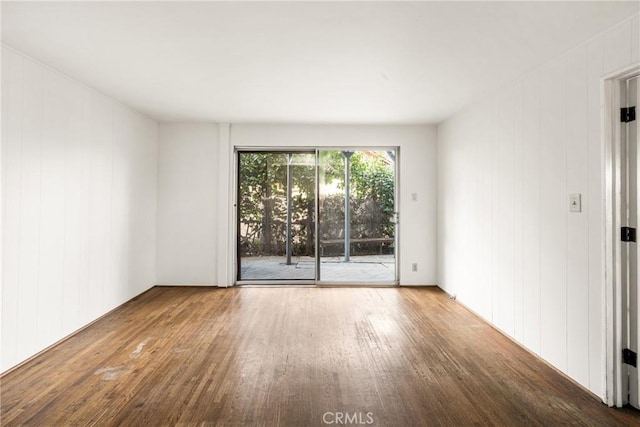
294	357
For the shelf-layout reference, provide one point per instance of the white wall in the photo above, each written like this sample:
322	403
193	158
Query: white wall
187	209
79	206
417	175
196	193
508	245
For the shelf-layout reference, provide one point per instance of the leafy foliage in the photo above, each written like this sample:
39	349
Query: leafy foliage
263	203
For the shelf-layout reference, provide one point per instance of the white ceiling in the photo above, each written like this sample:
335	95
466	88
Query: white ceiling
302	62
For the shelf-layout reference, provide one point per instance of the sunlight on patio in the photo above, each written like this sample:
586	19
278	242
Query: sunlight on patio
367	268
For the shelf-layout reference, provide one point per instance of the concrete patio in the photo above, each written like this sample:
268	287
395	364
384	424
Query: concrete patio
369	268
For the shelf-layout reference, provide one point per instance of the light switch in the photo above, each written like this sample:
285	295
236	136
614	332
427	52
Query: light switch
414	197
575	202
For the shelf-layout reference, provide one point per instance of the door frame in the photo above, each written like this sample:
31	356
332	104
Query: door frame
236	216
612	314
396	203
235	175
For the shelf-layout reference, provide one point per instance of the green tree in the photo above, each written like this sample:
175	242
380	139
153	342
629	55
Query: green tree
263	204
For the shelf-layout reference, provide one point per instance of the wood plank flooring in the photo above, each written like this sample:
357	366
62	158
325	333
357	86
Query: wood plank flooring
291	357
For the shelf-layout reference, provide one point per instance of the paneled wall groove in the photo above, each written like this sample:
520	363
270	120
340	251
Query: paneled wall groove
587	213
556	309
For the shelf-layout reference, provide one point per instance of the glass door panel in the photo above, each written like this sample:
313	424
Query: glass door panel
276	216
357	233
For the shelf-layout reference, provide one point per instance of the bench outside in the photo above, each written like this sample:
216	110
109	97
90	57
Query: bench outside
380	240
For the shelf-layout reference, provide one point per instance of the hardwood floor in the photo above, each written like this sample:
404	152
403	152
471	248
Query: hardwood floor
291	357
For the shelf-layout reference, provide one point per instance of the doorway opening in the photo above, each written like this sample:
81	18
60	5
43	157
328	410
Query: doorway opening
326	216
622	255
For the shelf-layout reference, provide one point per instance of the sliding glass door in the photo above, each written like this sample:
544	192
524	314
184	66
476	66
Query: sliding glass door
318	216
276	215
357	226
